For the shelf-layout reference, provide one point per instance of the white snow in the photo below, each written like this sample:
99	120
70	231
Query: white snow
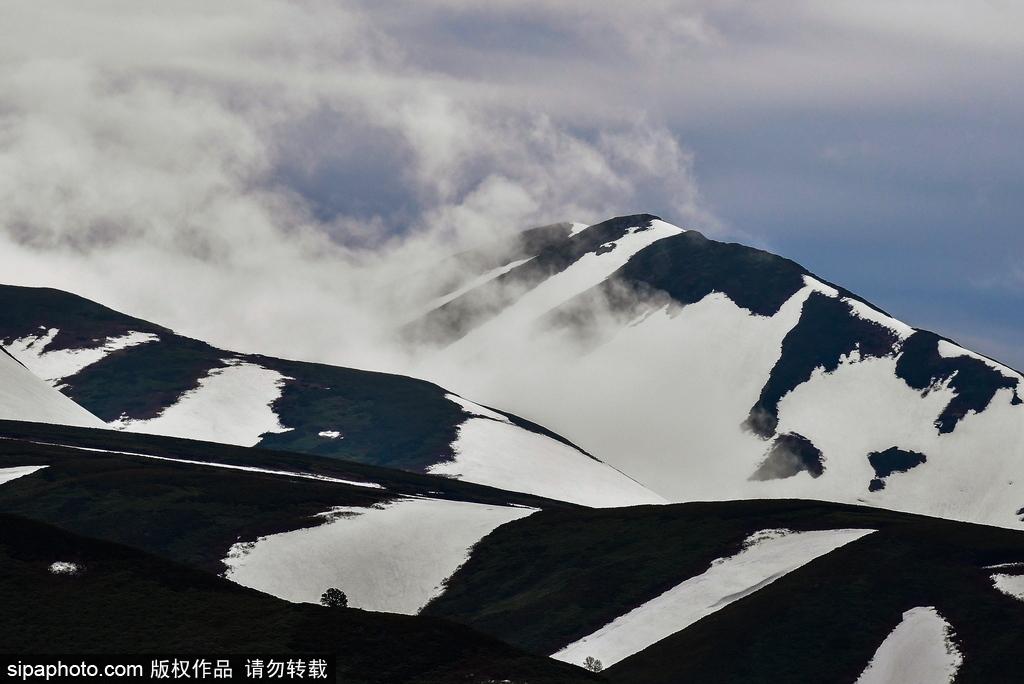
974	473
24	396
1011	585
474	409
918	651
500	454
329	434
767	555
999	566
476	282
53	366
232	405
226	466
661	401
14	472
862	310
64	568
663	398
818	286
581	275
393	557
949	350
577	227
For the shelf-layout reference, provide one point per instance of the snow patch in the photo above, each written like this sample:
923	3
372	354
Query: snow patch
507	456
14	472
232	405
818	286
475	409
23	396
393	557
211	464
949	350
1011	585
918	651
766	556
576	228
476	282
329	434
863	311
54	366
65	568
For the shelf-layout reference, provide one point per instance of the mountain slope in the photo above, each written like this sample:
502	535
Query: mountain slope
710	370
138	376
125	601
741	591
291	525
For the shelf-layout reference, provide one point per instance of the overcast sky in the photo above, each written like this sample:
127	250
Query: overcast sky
252	171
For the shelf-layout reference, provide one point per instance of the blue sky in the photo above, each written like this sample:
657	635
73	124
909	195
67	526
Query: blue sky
298	151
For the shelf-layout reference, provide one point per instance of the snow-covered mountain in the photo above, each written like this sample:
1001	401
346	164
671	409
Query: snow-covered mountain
711	370
138	376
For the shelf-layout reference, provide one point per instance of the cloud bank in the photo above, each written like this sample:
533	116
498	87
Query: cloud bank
265	167
262	173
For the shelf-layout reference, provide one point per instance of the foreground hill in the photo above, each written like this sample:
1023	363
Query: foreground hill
138	376
752	591
711	370
738	591
107	598
291	525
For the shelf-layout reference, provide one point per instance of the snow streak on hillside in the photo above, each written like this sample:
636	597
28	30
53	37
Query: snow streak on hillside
1011	585
476	282
14	472
392	558
767	555
55	365
23	396
918	651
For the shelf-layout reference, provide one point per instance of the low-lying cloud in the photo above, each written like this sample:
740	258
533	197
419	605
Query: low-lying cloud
282	175
205	167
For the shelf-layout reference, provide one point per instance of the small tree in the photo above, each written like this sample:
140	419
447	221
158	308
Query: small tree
334	598
593	664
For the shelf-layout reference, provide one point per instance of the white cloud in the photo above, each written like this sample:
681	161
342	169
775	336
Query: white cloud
240	169
143	148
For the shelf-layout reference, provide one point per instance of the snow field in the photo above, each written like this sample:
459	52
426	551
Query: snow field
23	396
232	405
766	556
491	450
393	557
54	366
14	472
1011	585
918	651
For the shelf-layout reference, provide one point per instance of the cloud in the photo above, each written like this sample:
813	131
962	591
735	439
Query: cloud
238	170
241	171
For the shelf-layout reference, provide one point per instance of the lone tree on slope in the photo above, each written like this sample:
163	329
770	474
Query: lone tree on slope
334	598
593	664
